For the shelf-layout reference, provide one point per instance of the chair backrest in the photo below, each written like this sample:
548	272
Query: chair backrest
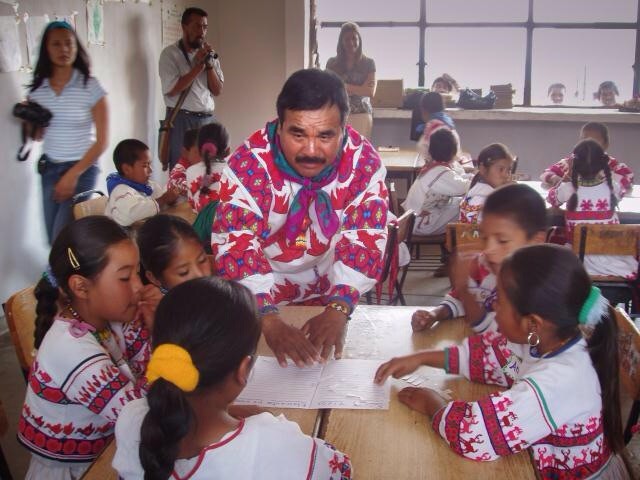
389	253
394	203
629	352
84	205
405	226
20	311
463	237
604	239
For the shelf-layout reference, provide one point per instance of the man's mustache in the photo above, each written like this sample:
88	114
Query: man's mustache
310	160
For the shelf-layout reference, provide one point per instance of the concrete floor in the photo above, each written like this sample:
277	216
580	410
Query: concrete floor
420	289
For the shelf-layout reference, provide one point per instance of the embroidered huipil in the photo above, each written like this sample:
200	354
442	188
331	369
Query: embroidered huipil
178	177
565	437
594	207
482	285
197	178
263	446
77	385
473	201
250	243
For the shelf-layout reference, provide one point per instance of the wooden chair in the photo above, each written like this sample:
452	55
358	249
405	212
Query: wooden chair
5	473
398	232
629	352
394	203
602	239
20	312
84	205
464	237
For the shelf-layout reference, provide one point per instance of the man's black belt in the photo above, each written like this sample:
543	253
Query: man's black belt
196	114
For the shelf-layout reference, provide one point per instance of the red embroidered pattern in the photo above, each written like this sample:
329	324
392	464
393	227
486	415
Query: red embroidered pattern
476	358
493	426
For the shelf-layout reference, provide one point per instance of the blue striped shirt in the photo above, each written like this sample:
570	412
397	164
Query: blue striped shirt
71	132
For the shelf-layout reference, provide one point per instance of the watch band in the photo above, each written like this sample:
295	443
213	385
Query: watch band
339	307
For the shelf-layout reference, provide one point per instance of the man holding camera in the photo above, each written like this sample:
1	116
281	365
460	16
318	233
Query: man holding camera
190	65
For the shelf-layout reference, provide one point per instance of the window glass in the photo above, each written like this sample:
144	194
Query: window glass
368	10
477	11
585	11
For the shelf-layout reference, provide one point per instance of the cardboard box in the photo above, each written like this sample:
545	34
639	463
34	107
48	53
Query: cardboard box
388	94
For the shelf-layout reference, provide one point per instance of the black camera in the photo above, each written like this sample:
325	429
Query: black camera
32	112
34	118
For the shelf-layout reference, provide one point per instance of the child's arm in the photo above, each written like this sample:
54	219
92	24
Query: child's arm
560	194
425	319
622	175
400	366
461	300
169	197
127	206
553	175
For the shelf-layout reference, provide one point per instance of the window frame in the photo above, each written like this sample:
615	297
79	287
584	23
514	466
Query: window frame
529	25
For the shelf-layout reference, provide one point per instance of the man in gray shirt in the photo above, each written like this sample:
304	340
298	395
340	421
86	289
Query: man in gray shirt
190	61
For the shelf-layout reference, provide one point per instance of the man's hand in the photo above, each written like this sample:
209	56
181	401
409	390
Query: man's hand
202	53
287	341
327	330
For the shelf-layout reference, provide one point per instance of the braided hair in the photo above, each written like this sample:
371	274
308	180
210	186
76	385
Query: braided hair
589	159
213	143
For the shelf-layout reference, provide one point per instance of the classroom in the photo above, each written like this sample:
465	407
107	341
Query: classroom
399	272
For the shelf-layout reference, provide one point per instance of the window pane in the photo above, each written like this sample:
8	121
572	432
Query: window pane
567	56
585	11
368	10
477	57
395	51
475	11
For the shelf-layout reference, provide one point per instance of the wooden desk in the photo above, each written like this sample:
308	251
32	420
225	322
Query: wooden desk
401	165
400	443
309	420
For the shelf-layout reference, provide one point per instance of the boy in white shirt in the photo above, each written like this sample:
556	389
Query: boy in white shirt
132	195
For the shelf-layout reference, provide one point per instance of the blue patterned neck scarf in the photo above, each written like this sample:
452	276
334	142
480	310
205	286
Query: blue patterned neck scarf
115	179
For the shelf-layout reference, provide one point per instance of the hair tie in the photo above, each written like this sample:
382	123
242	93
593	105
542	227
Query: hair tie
50	277
594	307
210	148
75	264
173	363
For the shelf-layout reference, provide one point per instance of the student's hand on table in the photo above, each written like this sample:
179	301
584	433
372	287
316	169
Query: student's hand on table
287	341
423	400
422	320
66	186
325	331
244	411
150	297
398	367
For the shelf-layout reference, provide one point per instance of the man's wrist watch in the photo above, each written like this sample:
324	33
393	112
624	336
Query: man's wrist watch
340	308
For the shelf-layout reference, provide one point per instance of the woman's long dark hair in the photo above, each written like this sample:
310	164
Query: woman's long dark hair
215	321
589	159
83	243
341	58
158	239
549	281
44	66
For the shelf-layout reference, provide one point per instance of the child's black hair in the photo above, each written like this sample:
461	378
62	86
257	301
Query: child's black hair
80	248
158	239
432	102
190	138
589	159
600	128
127	152
488	155
522	204
212	134
218	334
549	281
443	145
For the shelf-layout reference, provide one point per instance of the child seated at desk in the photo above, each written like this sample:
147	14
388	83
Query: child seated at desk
591	197
513	216
202	356
562	401
435	194
188	156
494	163
561	171
132	195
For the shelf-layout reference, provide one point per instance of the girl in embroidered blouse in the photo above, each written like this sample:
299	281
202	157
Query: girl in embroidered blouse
540	354
92	347
591	197
203	352
494	164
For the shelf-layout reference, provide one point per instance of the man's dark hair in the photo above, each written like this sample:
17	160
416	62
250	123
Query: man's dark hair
432	102
128	152
186	16
312	89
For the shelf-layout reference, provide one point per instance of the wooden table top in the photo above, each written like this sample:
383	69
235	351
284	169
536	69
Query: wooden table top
400	161
309	420
400	443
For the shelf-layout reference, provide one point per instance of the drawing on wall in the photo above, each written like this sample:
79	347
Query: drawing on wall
35	28
95	22
10	57
171	27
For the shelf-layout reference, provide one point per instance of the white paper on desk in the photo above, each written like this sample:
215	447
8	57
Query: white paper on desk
346	383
